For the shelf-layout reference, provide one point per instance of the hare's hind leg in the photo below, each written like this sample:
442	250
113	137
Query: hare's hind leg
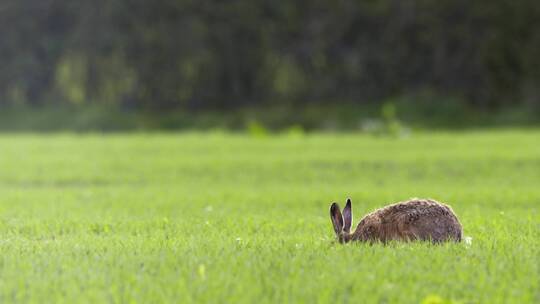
436	230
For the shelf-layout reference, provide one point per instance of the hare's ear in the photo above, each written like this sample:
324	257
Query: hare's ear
336	217
347	216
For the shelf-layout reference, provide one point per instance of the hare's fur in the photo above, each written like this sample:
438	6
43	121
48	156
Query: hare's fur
415	219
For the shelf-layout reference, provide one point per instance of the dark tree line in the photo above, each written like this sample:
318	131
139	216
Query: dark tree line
165	54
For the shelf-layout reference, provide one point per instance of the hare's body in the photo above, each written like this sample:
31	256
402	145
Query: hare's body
415	219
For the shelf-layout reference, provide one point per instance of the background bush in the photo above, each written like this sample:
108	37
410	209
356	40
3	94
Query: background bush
203	55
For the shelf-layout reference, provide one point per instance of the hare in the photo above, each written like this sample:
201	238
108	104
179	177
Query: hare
415	219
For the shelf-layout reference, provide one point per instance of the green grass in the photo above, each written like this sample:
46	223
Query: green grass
224	218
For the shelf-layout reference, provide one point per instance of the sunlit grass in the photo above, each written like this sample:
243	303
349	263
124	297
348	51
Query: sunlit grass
224	218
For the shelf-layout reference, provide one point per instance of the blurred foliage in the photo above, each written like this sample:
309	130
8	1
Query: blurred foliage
256	129
201	55
261	122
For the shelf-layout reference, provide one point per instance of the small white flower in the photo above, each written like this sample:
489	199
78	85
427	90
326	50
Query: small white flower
468	240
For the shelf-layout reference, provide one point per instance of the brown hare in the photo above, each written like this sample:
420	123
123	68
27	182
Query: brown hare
415	219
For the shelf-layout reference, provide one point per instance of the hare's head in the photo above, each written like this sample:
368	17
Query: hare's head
342	223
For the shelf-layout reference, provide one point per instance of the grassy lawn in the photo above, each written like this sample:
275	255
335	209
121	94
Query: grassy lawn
221	218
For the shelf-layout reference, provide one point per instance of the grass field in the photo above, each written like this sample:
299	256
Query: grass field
223	218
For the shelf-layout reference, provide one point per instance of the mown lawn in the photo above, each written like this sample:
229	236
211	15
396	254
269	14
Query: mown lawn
223	218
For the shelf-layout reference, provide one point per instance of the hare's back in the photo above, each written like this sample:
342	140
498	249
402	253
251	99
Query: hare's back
422	219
